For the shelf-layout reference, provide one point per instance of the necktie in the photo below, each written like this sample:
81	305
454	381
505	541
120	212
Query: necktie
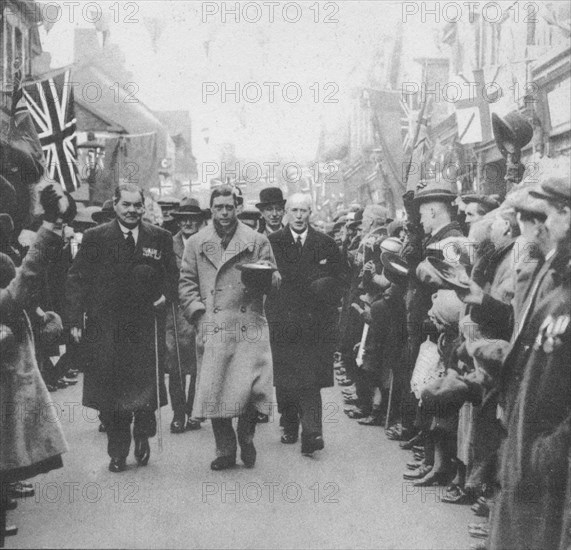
299	244
130	243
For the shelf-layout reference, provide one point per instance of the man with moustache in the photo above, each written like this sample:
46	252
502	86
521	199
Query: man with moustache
120	278
303	322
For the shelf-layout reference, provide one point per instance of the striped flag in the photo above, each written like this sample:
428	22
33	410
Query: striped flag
52	107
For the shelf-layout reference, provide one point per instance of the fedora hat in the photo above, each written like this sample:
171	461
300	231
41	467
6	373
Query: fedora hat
106	214
434	191
513	128
189	206
270	195
396	270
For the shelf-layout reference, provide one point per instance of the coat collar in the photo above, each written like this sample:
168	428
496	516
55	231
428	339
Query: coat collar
210	244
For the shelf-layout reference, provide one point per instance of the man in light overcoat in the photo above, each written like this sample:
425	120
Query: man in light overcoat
233	348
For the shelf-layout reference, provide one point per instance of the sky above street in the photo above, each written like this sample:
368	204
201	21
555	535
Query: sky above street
291	75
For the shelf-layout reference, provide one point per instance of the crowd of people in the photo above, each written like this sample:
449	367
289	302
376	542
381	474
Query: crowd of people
449	327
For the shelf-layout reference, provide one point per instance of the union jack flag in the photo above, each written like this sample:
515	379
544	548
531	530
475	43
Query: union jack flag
51	105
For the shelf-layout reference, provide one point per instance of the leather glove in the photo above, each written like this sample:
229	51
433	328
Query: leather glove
49	199
71	209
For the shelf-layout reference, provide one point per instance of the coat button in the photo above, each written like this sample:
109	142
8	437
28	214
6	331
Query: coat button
216	329
243	329
243	309
216	310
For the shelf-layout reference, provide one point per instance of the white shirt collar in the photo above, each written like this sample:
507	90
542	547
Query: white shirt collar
125	230
302	235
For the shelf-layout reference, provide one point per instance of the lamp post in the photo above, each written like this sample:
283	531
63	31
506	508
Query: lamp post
95	152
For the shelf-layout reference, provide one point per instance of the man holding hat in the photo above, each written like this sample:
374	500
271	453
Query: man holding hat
233	345
433	203
303	322
120	278
180	335
272	207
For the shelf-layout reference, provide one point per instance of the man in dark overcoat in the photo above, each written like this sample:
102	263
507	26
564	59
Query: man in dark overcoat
529	512
180	335
122	275
303	322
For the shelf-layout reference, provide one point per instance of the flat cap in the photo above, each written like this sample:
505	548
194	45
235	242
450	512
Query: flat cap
554	189
488	202
521	200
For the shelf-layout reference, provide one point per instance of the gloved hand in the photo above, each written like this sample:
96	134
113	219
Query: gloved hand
71	209
49	199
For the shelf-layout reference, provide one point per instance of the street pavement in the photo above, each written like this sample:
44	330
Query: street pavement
351	495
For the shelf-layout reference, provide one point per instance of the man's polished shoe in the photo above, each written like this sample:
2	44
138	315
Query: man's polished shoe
223	463
289	439
311	444
248	455
262	418
117	464
142	450
177	425
193	424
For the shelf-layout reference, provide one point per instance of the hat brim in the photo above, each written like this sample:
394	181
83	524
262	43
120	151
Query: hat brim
99	217
447	274
394	264
436	196
201	214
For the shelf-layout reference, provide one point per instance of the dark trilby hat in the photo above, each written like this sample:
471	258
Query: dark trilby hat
513	128
270	195
554	189
189	206
434	191
487	201
106	214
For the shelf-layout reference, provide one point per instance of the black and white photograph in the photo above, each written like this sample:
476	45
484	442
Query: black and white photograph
285	275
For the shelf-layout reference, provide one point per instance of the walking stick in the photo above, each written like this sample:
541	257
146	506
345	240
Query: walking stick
175	326
392	379
159	415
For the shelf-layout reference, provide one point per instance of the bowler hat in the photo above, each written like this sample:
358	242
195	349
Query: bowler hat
106	214
271	195
513	128
256	276
357	219
189	206
434	191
